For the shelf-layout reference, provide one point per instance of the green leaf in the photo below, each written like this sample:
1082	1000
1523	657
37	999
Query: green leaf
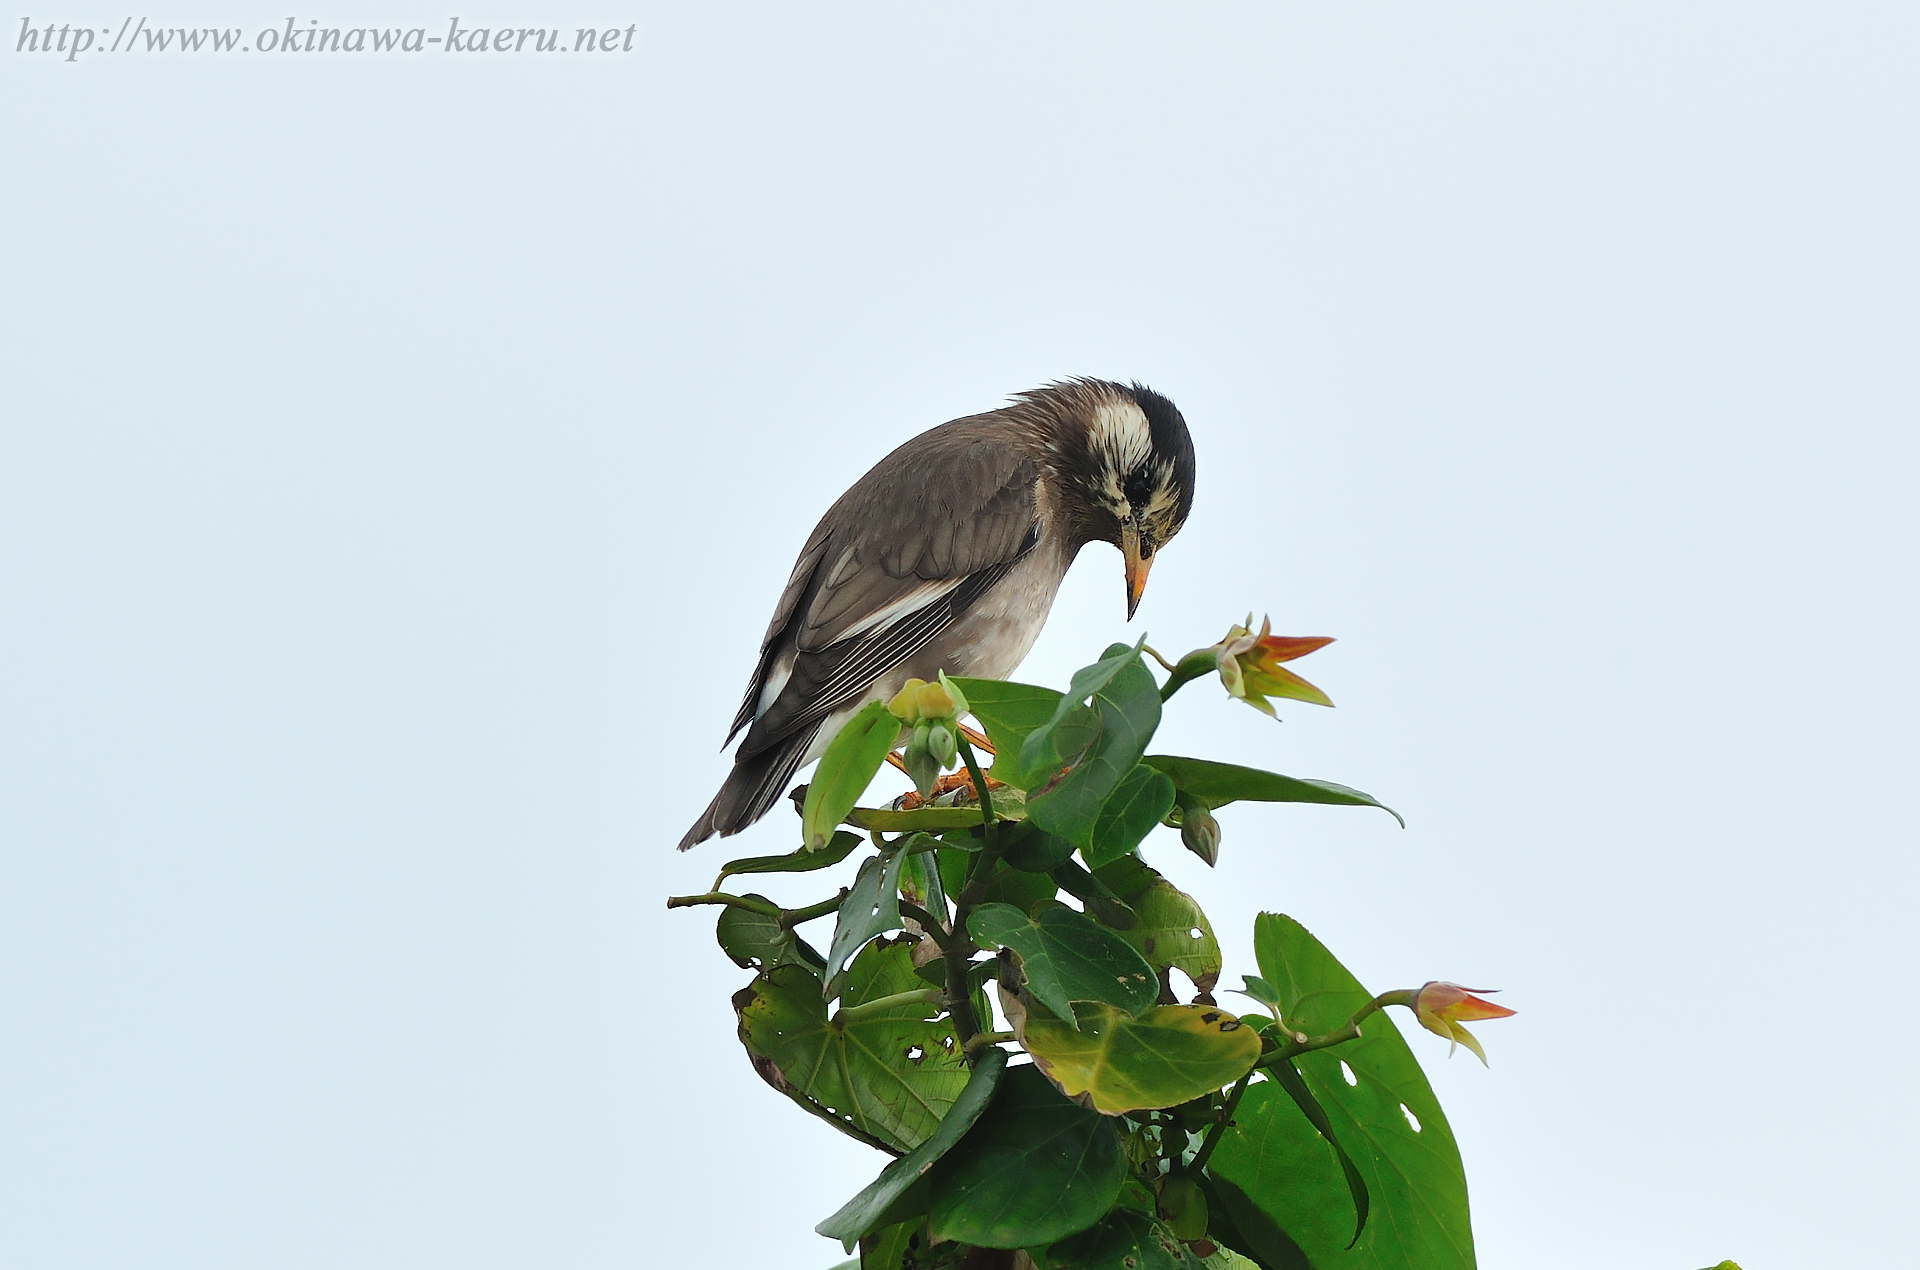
1125	1237
1105	907
1218	784
1260	990
1165	921
1067	957
931	819
1419	1192
846	769
838	848
887	1079
1087	682
1029	847
866	1211
1142	801
1096	757
1288	1078
872	907
1008	712
1169	1055
1240	1224
757	941
1036	1168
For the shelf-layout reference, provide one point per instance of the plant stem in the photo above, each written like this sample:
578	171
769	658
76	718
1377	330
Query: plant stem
1348	1031
979	781
982	1039
792	917
928	923
880	1005
1150	651
1218	1129
787	918
762	907
1197	664
960	949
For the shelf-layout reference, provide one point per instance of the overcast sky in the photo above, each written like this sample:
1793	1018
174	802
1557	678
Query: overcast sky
400	455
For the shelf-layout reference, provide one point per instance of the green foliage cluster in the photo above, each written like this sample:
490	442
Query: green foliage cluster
1146	1132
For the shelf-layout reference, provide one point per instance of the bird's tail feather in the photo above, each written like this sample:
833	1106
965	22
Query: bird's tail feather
753	787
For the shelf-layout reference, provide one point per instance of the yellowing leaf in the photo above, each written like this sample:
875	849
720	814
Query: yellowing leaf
1169	1055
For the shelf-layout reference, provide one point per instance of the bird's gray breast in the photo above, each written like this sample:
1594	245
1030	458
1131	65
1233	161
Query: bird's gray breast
996	632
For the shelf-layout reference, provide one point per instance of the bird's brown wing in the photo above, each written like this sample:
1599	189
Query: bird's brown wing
893	563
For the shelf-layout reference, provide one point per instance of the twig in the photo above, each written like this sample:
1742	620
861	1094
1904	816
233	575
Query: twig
928	923
792	917
762	907
880	1005
979	781
1218	1128
1298	1043
983	1039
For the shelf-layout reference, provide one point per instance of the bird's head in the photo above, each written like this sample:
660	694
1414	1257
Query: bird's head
1123	463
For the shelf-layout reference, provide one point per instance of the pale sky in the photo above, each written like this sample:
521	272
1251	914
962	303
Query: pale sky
400	456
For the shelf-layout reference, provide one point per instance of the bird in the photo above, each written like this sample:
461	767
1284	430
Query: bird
946	556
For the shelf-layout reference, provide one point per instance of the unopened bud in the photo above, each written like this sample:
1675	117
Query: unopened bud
1200	832
922	768
941	745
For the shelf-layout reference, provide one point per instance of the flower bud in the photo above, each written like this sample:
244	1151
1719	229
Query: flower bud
941	745
922	768
1200	832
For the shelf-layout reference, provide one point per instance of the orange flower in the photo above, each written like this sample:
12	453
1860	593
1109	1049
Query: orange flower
1250	665
1441	1006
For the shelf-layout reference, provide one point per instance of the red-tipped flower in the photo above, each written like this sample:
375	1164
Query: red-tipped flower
1440	1007
1250	665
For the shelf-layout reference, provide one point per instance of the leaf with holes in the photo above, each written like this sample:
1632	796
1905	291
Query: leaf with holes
872	906
1067	957
887	1079
1169	1055
1131	812
838	848
1217	784
1036	1168
1170	930
756	941
1125	1237
1419	1191
1097	746
868	1210
847	767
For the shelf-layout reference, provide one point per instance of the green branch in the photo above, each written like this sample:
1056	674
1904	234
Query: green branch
762	907
880	1005
979	781
787	918
1301	1043
1222	1120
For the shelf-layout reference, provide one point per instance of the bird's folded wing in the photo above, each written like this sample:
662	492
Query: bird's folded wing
896	561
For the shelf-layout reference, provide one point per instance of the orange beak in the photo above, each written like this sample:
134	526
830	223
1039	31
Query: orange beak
1137	566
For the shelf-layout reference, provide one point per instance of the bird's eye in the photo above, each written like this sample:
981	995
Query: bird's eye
1138	488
